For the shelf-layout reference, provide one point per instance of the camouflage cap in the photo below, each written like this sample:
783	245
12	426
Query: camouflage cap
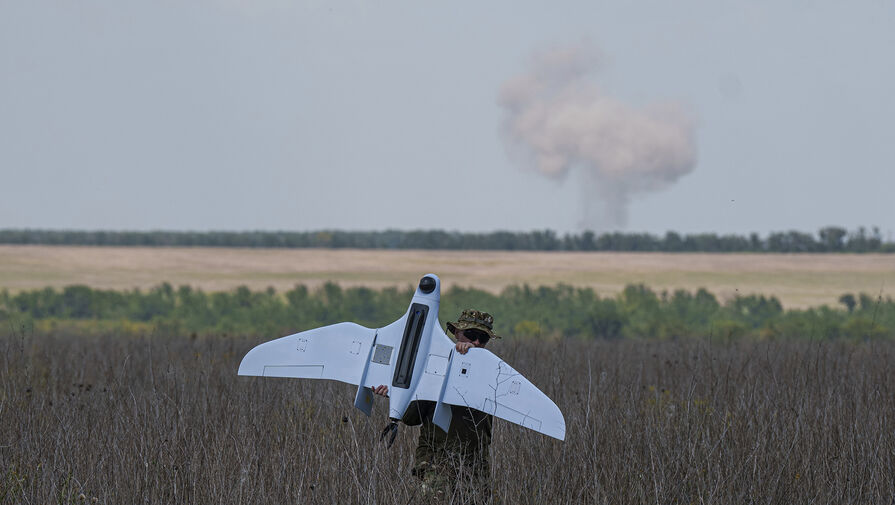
474	319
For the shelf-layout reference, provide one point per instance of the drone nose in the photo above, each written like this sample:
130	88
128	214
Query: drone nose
427	284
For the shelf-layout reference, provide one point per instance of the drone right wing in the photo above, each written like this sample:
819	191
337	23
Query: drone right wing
481	380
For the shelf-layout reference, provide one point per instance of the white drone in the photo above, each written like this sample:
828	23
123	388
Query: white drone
415	356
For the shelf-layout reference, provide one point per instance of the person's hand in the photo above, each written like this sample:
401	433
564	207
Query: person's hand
381	390
462	347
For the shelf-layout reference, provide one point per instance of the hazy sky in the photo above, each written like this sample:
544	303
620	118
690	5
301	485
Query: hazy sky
273	114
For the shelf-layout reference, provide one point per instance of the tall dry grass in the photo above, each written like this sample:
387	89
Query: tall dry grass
166	420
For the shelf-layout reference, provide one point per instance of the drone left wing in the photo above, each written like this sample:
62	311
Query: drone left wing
338	352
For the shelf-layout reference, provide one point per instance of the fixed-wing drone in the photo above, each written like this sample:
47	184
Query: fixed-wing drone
417	359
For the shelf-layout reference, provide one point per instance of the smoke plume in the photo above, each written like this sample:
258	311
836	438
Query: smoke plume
558	120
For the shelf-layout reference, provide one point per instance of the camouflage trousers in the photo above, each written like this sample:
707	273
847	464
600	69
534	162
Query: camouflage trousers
442	484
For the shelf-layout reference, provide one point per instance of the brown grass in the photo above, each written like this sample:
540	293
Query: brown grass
798	280
166	420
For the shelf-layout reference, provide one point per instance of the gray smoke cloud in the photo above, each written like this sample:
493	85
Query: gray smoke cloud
557	119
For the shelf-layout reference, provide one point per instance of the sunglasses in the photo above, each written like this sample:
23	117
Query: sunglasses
479	335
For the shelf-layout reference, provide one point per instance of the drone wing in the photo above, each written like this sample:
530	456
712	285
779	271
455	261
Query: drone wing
337	352
481	380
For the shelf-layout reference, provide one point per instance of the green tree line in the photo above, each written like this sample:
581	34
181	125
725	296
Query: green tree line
562	310
830	239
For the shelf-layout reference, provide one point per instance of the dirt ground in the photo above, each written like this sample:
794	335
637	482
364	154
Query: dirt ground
798	280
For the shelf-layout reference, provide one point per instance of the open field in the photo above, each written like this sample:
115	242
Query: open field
797	280
166	420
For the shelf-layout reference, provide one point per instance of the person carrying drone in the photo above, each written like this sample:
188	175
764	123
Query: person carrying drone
459	460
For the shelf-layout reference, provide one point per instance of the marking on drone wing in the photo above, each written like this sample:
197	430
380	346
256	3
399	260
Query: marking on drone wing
511	415
437	365
382	354
300	371
301	345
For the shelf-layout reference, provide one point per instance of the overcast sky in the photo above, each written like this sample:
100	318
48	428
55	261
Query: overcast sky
710	116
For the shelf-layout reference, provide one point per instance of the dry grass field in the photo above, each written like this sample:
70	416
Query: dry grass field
166	420
797	280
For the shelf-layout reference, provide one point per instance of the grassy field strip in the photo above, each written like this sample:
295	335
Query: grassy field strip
798	280
164	418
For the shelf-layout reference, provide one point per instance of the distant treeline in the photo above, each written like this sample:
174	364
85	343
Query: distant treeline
829	239
637	312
